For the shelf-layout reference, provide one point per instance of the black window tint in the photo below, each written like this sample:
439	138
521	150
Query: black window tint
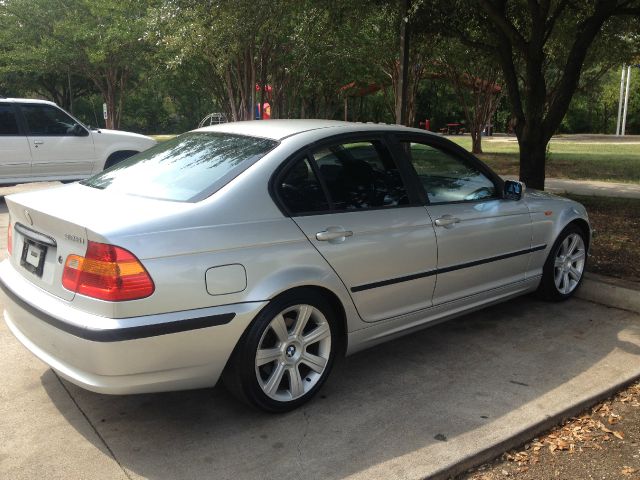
300	189
47	120
447	178
361	175
8	123
186	168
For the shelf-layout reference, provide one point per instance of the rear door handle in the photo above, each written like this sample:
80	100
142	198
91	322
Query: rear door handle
38	142
446	221
333	233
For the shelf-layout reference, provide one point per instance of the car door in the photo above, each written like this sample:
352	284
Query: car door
60	146
15	155
351	201
484	240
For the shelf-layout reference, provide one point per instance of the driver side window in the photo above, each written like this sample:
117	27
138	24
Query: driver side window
447	178
47	120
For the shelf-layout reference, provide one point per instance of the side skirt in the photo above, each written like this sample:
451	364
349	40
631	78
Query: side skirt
386	330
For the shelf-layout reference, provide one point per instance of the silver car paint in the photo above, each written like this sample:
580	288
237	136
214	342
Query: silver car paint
178	243
486	229
386	244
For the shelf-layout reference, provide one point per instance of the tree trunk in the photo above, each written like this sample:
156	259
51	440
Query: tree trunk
230	95
403	67
476	141
110	100
533	152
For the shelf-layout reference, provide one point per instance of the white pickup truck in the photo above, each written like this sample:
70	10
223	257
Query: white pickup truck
41	142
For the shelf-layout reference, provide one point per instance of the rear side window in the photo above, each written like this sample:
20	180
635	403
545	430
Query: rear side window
8	123
187	168
360	175
300	189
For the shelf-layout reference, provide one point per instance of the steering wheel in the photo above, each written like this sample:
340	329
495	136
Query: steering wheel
479	194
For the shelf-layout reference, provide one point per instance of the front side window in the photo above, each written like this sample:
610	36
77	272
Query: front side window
360	175
8	123
48	120
447	178
186	168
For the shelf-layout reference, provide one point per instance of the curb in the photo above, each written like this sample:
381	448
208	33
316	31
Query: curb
611	292
527	433
607	291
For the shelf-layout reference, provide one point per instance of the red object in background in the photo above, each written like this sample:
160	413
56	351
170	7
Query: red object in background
267	111
426	124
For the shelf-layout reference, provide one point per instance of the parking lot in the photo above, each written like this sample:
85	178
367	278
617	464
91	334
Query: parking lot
407	409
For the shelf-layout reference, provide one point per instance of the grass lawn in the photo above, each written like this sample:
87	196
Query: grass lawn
617	162
162	138
615	250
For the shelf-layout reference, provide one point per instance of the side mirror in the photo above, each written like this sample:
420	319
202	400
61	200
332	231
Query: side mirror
513	190
79	131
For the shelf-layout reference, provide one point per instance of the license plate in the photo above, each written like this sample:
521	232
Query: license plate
33	255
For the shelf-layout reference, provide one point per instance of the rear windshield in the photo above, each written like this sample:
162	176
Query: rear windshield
187	168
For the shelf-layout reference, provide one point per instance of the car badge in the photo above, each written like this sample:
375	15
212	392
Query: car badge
28	216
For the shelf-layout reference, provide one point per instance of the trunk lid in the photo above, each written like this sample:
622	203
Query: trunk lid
49	225
39	241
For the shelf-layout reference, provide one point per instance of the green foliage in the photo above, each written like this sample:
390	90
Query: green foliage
162	65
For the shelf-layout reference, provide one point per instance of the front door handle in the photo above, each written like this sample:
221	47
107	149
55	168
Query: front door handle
38	142
446	221
332	234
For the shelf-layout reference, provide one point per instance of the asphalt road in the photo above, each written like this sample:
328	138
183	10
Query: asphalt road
407	409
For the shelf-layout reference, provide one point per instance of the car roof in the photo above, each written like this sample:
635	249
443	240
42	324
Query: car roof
281	129
25	100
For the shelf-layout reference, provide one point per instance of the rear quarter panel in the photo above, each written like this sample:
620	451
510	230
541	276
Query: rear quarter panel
239	224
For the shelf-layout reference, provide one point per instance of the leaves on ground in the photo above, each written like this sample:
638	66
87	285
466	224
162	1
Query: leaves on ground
594	429
615	250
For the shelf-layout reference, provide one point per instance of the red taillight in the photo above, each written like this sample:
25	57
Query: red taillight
10	238
108	273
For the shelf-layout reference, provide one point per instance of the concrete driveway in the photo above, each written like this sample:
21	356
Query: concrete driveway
411	408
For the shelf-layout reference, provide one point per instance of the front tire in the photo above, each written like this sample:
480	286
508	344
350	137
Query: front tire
564	269
117	157
286	354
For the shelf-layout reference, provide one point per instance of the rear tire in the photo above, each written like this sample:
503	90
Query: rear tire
286	354
563	271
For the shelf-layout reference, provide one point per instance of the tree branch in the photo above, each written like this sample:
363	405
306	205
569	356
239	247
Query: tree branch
500	20
588	30
551	22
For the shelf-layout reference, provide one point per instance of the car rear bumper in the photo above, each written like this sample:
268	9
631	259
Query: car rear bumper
172	351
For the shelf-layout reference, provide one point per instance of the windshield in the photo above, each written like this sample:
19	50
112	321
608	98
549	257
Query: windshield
187	168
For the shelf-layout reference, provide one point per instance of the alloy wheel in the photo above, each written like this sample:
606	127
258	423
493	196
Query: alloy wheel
293	352
568	266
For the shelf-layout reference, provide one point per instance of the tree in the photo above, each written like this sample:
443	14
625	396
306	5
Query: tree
64	44
108	39
542	47
32	58
475	81
304	50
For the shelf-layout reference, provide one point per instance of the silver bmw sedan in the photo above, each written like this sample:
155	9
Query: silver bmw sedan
255	252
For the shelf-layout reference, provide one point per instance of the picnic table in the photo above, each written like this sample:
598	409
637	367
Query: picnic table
453	129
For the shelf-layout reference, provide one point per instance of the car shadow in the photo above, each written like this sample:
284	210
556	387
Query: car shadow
413	393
